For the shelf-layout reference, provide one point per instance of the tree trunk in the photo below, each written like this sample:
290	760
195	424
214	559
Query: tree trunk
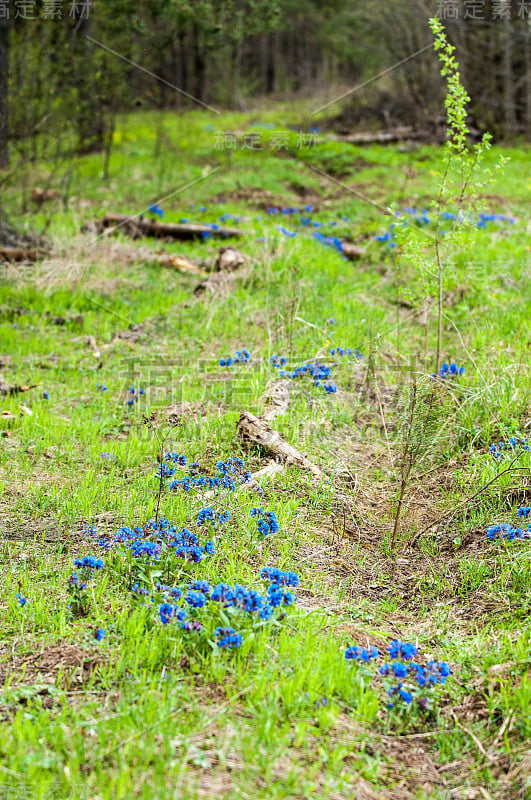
508	82
527	79
198	64
89	110
4	64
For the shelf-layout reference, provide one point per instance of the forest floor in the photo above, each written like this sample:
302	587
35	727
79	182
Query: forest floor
110	364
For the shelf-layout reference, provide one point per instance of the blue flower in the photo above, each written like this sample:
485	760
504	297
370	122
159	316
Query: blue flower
89	562
99	634
401	649
196	599
241	357
266	611
267	522
407	697
223	593
400	670
156	210
276	576
22	600
167	612
360	653
228	638
450	370
200	586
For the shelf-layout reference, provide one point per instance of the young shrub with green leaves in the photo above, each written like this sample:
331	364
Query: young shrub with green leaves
454	213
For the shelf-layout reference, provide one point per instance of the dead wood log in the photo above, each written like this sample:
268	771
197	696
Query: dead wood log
393	135
7	389
352	251
137	227
276	400
179	263
229	260
20	253
258	431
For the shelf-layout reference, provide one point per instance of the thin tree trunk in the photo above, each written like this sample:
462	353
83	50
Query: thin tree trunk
508	82
198	63
4	69
527	73
90	114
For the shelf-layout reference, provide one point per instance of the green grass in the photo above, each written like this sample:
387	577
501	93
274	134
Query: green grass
151	714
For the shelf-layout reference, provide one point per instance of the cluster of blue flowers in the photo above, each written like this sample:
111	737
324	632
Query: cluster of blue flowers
227	637
166	471
267	520
287	210
316	370
232	473
135	395
168	612
342	351
329	241
77	583
504	530
209	516
419	217
498	450
203	601
226	217
484	218
89	562
21	599
357	653
101	387
449	370
286	232
213	227
154	538
387	236
241	357
429	675
279	578
422	218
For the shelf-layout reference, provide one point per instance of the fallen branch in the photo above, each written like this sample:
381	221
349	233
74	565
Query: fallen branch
230	260
20	253
352	251
398	134
258	431
6	389
276	400
137	227
179	263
